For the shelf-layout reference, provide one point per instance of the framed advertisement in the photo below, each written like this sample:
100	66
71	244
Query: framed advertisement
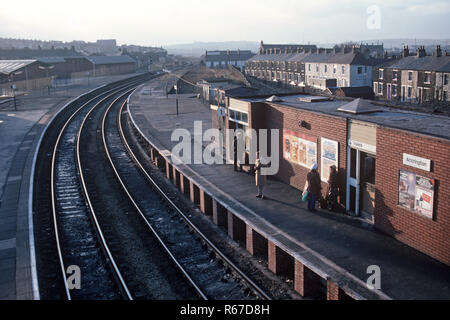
416	193
329	151
299	148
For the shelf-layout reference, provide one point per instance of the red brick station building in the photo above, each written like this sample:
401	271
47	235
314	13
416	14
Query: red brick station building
394	165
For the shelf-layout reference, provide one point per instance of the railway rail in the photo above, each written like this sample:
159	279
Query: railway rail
109	218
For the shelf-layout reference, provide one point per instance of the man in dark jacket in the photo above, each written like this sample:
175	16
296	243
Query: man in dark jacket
314	188
333	189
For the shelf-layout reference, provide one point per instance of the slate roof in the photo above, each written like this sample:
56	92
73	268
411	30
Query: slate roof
331	57
427	63
283	47
10	66
99	60
356	92
228	55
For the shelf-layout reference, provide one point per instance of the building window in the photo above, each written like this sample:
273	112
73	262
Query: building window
325	68
410	75
394	90
445	79
394	75
380	88
359	70
427	77
317	68
380	74
309	66
334	69
343	69
409	92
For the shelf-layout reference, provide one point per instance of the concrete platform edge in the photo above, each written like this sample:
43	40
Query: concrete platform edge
327	269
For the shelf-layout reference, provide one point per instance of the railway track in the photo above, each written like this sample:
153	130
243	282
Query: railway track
203	263
111	219
66	232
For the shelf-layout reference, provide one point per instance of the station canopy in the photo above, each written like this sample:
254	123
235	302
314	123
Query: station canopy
9	66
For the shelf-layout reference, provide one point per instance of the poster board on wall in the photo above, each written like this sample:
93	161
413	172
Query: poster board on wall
329	151
299	148
416	193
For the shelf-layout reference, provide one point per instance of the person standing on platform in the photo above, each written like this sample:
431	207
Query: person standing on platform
333	189
260	179
314	187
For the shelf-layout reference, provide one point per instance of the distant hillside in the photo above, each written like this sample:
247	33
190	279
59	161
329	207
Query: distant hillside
196	49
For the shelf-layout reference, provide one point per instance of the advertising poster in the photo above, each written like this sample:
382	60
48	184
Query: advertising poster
329	152
299	148
416	193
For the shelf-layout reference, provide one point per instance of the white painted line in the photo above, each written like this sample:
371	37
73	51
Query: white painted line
7	244
15	178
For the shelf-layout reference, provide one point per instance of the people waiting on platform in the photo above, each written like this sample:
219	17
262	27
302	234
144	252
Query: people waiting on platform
314	188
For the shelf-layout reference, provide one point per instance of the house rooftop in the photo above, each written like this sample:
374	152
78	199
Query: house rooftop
99	60
9	66
426	63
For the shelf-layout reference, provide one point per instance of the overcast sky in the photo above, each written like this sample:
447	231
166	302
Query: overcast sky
183	21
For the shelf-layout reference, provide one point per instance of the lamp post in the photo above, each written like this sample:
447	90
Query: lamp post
47	68
13	87
176	99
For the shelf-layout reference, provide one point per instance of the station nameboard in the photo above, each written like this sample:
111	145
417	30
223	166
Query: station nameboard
417	162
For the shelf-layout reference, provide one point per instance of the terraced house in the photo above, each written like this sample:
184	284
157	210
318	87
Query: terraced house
414	78
317	68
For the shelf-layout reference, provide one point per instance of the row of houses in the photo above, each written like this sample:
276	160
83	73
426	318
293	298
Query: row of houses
415	78
312	66
32	74
411	78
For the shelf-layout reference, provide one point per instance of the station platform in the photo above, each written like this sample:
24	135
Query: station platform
323	250
20	134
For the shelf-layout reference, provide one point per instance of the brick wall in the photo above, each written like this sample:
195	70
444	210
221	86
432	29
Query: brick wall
421	233
334	128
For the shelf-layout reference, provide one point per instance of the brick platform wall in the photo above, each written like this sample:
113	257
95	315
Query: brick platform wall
421	233
321	126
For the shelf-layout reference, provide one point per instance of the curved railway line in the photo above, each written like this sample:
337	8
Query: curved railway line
112	220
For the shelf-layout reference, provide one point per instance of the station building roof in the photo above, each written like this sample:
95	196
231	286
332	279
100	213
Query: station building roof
423	123
9	66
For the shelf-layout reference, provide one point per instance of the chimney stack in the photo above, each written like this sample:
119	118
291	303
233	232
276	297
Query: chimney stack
405	51
421	52
438	51
321	50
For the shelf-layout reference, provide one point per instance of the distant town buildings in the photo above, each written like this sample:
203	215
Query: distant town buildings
408	78
222	59
305	65
31	74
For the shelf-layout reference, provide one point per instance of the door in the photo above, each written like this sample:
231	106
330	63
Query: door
389	91
361	183
367	185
